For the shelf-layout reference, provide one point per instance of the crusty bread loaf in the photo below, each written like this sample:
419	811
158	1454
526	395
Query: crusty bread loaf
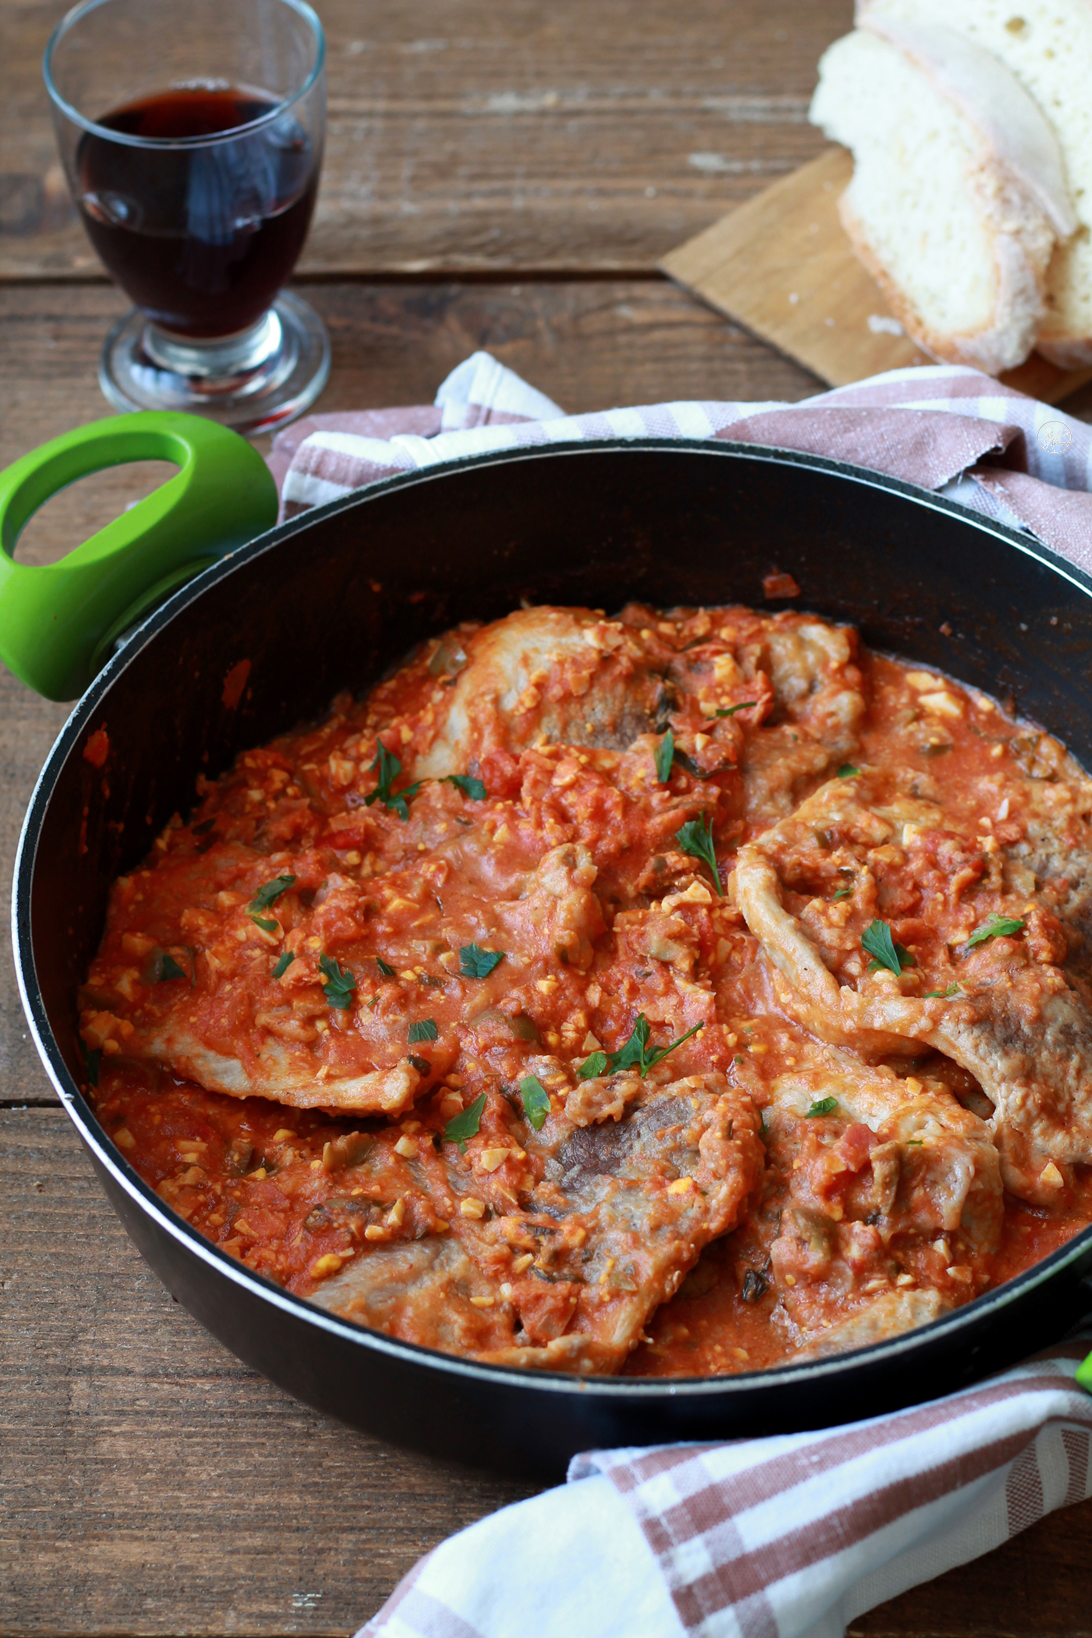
955	220
1047	46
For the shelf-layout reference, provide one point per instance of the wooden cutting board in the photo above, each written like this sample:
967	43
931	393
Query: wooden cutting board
782	266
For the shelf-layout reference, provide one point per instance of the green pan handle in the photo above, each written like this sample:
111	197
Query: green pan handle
58	621
1084	1374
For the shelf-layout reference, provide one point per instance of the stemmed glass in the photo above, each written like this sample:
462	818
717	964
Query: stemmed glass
191	133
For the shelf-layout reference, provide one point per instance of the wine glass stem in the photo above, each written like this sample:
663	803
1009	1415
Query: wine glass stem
219	358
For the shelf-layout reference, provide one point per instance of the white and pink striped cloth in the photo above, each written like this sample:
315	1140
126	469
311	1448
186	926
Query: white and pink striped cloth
943	426
786	1537
793	1536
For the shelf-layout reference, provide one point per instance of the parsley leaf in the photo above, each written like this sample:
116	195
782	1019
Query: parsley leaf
943	995
390	766
339	986
696	838
283	964
847	771
465	1125
877	940
165	967
269	894
591	1069
421	1065
384	968
424	1030
474	962
536	1101
468	785
664	757
994	926
730	710
266	925
824	1106
842	893
632	1054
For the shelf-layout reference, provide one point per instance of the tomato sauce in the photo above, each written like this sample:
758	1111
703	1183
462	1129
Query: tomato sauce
319	1004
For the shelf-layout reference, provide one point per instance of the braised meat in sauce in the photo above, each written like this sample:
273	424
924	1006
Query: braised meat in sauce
669	994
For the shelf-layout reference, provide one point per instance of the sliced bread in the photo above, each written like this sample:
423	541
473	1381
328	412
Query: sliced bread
954	215
1047	46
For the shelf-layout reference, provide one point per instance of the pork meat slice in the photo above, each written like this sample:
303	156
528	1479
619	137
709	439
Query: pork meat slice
888	1316
563	676
935	1167
881	847
561	1242
281	1038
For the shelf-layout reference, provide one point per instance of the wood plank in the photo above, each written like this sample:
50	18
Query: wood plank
782	265
151	1484
590	344
538	134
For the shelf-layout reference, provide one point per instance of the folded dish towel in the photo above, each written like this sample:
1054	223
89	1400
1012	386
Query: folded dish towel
787	1537
792	1536
944	427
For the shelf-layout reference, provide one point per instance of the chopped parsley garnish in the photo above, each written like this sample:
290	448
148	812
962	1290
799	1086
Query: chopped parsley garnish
424	1030
465	1125
664	757
474	962
269	894
468	785
384	967
848	771
94	1059
536	1101
877	940
421	1065
339	985
730	710
696	838
165	967
842	893
633	1054
283	964
943	995
266	925
389	767
995	926
824	1106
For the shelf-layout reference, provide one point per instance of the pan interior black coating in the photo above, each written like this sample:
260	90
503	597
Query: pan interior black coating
333	599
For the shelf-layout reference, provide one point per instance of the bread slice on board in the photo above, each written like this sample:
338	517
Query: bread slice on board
1047	46
957	197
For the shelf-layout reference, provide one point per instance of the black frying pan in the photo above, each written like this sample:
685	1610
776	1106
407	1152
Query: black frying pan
332	599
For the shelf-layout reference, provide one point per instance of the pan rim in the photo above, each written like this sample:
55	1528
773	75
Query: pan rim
791	1374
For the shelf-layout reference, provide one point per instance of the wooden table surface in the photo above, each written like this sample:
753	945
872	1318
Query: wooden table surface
502	176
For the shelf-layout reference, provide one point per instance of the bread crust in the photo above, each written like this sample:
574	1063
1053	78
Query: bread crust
1000	346
1007	189
1063	338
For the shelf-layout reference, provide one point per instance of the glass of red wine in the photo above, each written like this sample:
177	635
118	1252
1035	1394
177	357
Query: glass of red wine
191	133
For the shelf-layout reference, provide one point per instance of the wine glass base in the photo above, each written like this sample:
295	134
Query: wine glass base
254	383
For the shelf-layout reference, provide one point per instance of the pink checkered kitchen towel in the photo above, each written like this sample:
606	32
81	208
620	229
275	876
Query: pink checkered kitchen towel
945	427
792	1536
786	1537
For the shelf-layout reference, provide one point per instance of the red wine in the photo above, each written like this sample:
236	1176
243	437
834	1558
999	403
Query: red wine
201	238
